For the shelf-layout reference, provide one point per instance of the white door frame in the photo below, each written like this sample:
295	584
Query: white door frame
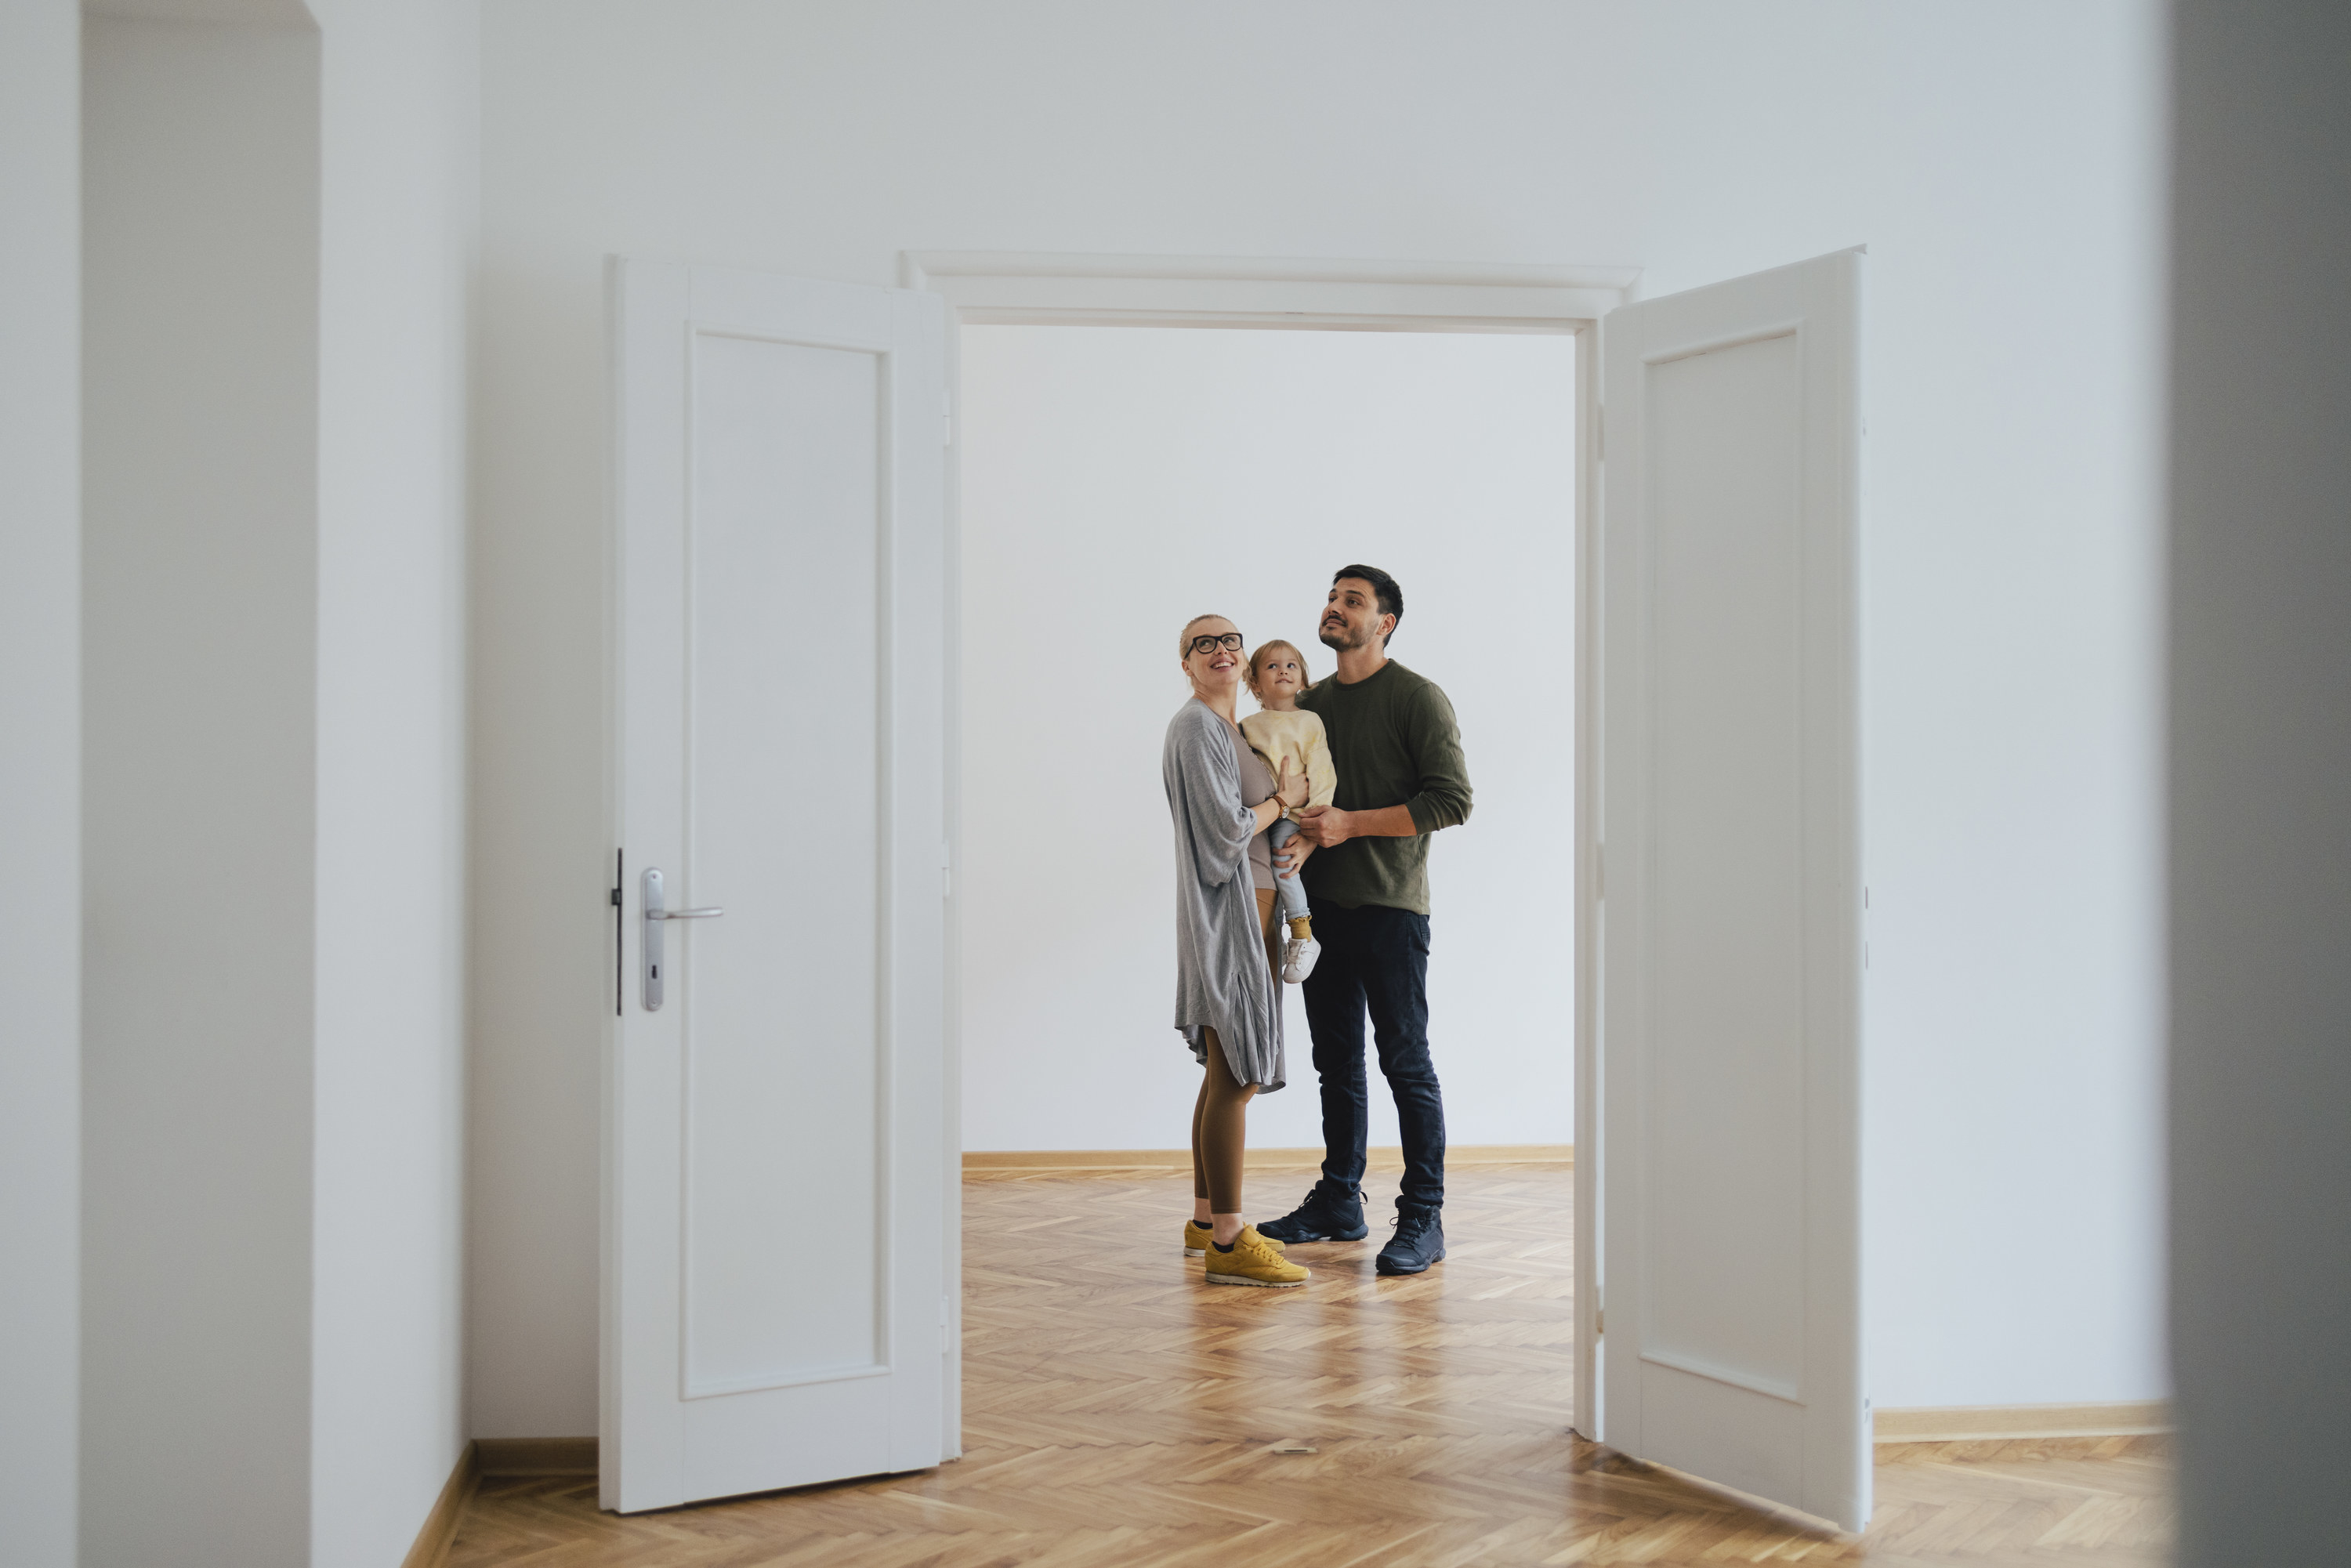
1043	288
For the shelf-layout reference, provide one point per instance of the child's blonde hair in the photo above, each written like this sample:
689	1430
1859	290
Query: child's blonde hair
1256	691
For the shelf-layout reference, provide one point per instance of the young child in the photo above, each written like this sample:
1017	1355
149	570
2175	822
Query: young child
1281	729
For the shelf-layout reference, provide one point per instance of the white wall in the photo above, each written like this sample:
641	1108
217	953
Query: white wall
280	222
399	209
200	193
1998	159
2261	781
40	768
1115	483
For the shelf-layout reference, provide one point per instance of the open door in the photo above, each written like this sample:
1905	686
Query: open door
776	1306
1731	912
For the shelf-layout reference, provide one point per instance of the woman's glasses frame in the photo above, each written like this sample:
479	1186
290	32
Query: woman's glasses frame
1209	642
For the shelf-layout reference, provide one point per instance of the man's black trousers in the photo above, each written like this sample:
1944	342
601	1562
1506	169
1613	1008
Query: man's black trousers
1375	961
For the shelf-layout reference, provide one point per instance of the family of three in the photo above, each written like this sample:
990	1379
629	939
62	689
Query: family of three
1320	804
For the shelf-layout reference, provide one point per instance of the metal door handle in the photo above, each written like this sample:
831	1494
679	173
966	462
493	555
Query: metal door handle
649	946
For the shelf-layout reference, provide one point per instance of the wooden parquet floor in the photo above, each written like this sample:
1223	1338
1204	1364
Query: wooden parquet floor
1118	1412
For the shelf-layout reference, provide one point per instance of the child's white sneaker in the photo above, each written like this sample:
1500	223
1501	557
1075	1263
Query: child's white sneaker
1298	955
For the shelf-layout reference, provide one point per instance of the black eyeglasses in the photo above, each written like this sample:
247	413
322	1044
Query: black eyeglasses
1231	641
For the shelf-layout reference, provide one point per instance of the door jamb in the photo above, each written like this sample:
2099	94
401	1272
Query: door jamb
1040	289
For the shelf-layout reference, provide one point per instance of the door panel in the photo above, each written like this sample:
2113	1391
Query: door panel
783	1053
1724	1194
1730	1012
775	1125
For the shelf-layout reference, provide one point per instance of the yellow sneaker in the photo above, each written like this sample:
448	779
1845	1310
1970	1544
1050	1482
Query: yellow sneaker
1197	1236
1253	1261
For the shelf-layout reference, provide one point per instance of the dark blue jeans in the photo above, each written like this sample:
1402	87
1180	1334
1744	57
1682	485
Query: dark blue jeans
1375	961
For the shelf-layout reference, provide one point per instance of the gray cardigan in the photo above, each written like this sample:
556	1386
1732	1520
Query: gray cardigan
1222	979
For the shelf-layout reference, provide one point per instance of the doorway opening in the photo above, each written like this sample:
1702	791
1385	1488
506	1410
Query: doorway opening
1115	482
1344	308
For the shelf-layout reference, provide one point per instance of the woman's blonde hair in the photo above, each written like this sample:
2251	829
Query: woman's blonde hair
1183	638
1304	679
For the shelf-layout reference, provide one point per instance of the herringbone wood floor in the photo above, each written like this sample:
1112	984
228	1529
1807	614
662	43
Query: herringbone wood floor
1119	1412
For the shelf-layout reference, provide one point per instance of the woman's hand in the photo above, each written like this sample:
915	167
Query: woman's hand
1291	789
1290	857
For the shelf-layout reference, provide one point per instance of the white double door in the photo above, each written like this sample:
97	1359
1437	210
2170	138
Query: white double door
777	1303
1731	898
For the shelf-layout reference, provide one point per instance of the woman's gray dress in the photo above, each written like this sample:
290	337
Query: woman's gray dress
1222	981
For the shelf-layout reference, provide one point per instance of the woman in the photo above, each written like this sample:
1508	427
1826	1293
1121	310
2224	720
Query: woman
1228	1002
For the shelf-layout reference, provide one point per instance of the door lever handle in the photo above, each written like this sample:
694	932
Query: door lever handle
650	946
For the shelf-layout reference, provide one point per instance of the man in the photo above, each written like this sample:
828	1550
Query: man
1366	861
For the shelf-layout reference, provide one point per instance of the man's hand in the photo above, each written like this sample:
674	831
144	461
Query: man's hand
1323	826
1328	825
1292	855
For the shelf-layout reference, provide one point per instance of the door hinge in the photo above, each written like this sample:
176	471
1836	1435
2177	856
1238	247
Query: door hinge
1599	873
1599	1322
947	1340
947	424
946	870
1600	431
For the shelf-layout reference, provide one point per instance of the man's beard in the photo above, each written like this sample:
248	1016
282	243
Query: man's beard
1340	638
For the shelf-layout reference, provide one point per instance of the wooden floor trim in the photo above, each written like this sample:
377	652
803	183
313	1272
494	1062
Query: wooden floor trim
431	1548
1386	1158
537	1456
1986	1423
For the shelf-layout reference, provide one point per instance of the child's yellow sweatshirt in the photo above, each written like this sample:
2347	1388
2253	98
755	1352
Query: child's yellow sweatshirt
1298	736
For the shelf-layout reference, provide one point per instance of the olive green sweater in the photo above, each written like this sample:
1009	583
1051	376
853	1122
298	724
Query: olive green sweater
1394	742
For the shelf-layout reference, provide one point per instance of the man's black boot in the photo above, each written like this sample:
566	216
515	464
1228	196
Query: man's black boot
1333	1211
1418	1241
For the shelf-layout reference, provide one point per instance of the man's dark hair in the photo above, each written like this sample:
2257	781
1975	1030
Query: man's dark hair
1386	597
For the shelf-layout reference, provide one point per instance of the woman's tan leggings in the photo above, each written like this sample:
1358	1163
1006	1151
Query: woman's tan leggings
1220	1116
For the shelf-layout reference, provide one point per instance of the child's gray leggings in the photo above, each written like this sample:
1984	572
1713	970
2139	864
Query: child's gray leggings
1289	891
